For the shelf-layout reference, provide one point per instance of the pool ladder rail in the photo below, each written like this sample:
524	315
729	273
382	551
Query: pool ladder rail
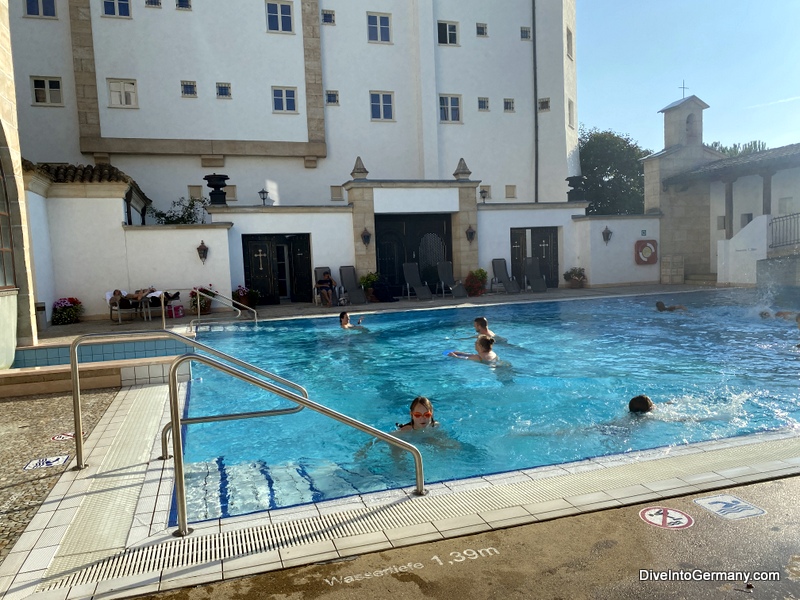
229	302
299	397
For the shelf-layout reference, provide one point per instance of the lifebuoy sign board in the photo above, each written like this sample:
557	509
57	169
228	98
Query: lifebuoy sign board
646	252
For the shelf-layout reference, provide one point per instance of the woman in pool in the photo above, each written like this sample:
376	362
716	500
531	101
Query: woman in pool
483	349
344	322
421	415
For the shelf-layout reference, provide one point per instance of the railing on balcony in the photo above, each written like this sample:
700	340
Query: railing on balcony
785	231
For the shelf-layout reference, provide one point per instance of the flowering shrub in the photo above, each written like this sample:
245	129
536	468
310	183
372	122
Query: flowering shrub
205	302
66	311
242	292
247	296
475	283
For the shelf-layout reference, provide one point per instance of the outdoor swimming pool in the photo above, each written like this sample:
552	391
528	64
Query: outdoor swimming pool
574	365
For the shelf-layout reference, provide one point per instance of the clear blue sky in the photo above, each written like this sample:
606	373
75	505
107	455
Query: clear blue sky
741	57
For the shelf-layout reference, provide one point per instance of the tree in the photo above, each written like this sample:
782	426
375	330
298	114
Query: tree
182	212
614	173
737	149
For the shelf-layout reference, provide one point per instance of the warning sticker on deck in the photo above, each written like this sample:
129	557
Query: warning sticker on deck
50	461
666	518
730	507
63	437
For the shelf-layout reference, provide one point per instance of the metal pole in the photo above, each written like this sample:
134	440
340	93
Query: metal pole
177	452
76	403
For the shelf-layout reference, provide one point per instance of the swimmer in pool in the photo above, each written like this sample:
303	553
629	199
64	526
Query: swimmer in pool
344	322
781	314
641	404
421	412
661	307
483	351
481	325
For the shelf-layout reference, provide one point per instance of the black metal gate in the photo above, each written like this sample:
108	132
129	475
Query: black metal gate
264	271
541	242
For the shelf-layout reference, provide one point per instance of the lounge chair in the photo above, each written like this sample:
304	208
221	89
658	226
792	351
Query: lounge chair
337	296
355	293
127	307
533	276
501	276
421	289
448	282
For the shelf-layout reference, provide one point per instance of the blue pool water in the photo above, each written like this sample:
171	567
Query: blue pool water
715	371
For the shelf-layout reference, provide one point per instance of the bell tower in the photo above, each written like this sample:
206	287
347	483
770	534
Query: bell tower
683	123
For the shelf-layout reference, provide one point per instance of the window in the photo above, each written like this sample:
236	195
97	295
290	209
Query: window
483	104
195	191
508	105
117	8
569	42
481	30
448	33
40	8
155	3
487	189
279	16
332	98
189	89
328	17
284	100
122	93
511	191
571	114
183	4
379	27
380	104
47	91
337	192
450	109
224	90
525	33
544	104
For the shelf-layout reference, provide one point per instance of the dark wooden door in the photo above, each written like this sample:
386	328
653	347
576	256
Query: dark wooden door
264	271
541	242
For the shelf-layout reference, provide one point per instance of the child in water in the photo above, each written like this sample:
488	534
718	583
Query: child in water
421	415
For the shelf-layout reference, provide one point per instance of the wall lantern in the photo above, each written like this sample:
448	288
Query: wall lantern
607	233
264	195
202	251
366	236
483	194
470	234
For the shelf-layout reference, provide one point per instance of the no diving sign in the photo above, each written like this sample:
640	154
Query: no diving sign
666	518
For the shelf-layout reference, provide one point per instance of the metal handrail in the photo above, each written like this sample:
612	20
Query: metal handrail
100	337
785	230
228	302
176	422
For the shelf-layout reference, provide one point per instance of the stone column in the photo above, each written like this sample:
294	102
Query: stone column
729	207
766	194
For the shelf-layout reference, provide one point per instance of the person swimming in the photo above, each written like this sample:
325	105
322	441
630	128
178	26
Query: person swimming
641	404
661	307
481	325
483	349
421	412
344	322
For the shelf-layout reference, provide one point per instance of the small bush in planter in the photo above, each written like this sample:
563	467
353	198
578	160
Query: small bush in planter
475	283
205	302
369	280
66	311
575	275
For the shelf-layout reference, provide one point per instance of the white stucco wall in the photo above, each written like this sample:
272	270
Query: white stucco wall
41	251
8	327
737	257
415	200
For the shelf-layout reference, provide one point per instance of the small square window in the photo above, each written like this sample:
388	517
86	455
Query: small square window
328	17
525	33
117	8
195	191
381	106
284	100
279	17
40	8
481	30
721	223
450	109
511	191
569	42
448	33
332	98
487	189
508	105
183	4
379	27
47	91
122	93
483	104
224	91
189	89
745	219
544	104
337	192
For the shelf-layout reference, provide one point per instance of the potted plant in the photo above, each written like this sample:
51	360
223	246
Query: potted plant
576	277
66	311
475	283
200	295
368	281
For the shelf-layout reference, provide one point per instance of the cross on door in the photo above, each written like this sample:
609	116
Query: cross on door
544	245
260	254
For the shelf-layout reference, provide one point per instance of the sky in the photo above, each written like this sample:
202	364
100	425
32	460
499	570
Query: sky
741	57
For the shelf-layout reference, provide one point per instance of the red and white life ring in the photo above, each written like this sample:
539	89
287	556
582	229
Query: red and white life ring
646	252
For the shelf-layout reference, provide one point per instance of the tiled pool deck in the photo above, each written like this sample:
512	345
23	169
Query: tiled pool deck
112	516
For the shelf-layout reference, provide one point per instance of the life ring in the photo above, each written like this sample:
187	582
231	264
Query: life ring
646	252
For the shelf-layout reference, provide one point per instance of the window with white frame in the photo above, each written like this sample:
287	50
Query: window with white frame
379	27
332	97
328	17
117	8
508	105
381	106
449	109
284	100
448	33
279	17
571	114
189	89
544	104
47	91
483	104
224	90
525	33
481	30
122	93
569	42
183	4
40	8
511	191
